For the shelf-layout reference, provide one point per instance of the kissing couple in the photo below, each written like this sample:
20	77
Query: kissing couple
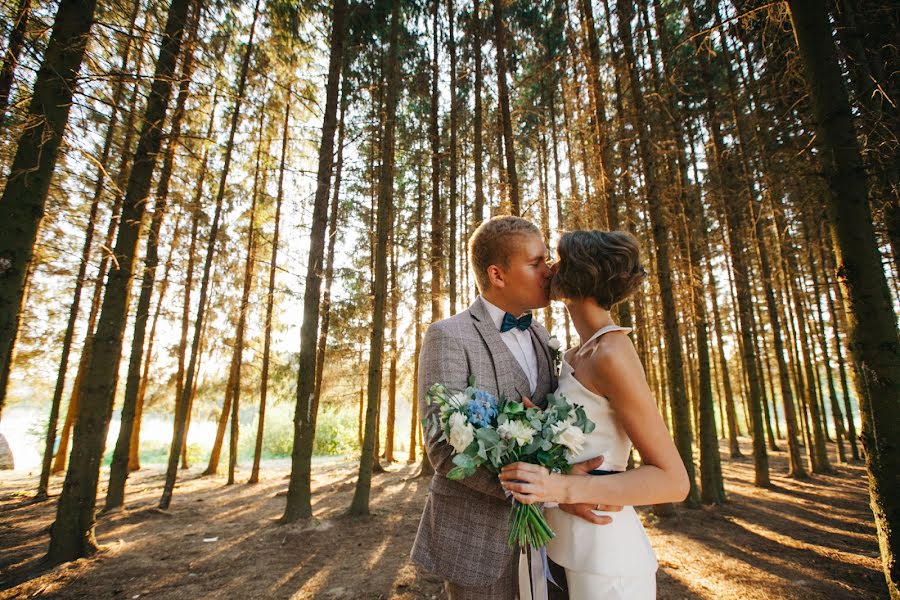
600	550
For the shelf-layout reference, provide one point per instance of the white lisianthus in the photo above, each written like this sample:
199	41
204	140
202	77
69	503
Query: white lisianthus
458	400
520	431
553	343
569	436
461	432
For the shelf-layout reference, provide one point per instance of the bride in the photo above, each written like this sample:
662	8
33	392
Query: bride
596	270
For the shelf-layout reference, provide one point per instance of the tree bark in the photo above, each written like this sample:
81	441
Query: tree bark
607	204
270	296
183	403
454	167
299	492
680	410
28	183
72	534
437	208
134	444
118	92
118	472
876	344
360	503
417	314
13	52
249	267
505	114
333	220
477	148
839	329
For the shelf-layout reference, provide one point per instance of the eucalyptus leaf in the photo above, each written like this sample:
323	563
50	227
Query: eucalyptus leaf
456	474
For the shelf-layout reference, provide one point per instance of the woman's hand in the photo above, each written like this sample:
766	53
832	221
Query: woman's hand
530	483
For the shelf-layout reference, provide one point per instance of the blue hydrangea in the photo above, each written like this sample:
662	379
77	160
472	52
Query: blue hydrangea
481	409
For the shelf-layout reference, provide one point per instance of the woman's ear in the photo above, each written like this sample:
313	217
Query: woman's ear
495	276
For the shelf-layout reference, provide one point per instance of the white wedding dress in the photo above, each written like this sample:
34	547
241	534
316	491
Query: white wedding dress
602	562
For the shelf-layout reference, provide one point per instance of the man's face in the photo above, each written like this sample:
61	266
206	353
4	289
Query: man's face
526	282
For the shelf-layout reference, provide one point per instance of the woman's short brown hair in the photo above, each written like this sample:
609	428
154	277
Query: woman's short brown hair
603	265
492	243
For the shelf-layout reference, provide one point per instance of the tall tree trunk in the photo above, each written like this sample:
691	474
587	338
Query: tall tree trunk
270	296
189	275
818	455
72	534
606	204
134	444
868	37
299	492
735	213
873	329
333	220
13	51
437	208
477	149
215	454
392	364
712	487
249	266
454	167
118	472
817	291
118	93
505	114
730	410
360	503
837	326
59	461
414	424
183	403
680	410
28	182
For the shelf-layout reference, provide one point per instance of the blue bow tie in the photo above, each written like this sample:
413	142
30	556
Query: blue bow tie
509	321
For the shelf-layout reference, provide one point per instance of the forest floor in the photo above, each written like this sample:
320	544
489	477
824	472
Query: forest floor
800	540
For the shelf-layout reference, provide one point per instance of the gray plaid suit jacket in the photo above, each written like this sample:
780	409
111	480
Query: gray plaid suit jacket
462	534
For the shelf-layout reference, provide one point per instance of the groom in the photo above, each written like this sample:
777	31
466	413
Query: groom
463	531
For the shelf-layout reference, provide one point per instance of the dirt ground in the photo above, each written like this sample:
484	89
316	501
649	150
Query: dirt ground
798	540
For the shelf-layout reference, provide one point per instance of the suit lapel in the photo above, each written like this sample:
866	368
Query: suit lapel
510	376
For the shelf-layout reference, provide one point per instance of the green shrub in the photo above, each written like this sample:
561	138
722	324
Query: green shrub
335	433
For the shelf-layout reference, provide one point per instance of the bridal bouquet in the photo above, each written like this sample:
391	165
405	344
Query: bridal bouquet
484	430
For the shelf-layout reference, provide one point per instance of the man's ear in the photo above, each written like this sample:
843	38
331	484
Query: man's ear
496	276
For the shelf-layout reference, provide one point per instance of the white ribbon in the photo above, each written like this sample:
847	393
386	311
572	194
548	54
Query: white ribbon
532	578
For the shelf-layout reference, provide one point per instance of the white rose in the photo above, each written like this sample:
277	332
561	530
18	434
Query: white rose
569	436
520	431
461	432
553	343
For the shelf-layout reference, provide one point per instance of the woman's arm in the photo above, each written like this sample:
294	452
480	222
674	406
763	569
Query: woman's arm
615	372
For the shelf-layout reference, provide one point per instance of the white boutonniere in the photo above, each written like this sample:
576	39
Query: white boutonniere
555	351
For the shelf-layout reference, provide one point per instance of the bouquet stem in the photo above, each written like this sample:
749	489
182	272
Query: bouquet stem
528	527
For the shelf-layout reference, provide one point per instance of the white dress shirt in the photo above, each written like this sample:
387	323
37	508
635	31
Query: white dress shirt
519	343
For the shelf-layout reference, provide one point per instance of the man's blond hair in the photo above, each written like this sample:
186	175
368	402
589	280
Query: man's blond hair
493	242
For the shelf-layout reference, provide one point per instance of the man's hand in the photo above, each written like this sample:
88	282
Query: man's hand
585	511
584	468
527	403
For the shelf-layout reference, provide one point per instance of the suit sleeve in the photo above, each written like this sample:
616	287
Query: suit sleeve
443	360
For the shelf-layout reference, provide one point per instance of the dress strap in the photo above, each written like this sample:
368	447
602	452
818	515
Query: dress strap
600	332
